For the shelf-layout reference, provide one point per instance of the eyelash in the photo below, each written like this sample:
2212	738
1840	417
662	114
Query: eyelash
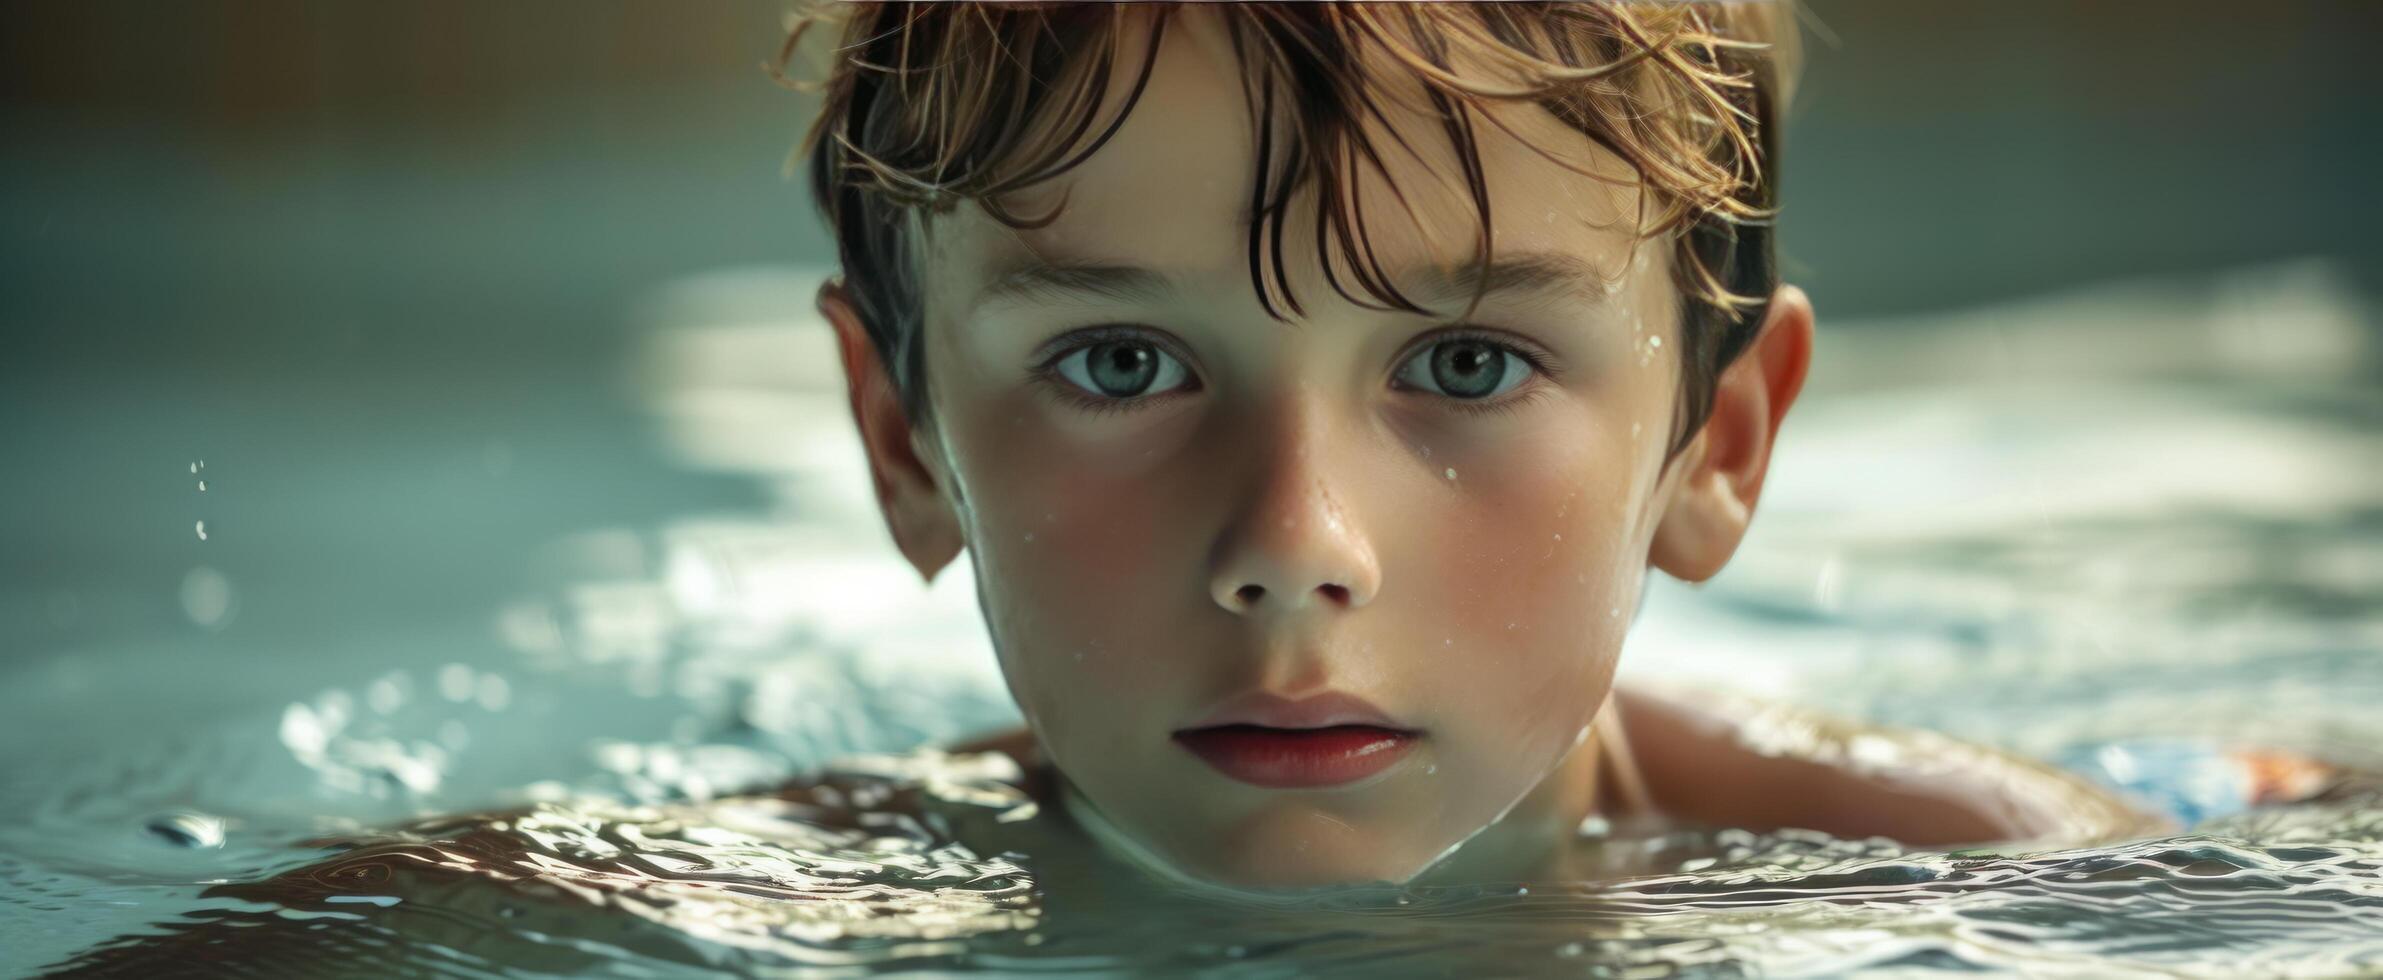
1047	370
1530	391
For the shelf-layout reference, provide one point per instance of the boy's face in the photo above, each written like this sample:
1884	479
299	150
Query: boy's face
1200	508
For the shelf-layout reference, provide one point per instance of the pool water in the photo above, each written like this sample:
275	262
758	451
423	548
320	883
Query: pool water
1965	531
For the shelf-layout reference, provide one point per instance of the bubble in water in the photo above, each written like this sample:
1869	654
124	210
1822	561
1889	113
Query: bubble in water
202	525
202	486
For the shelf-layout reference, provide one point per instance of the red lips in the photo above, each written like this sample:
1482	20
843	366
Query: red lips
1298	758
1268	740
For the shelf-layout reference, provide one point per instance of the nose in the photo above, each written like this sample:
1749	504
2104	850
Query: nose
1294	544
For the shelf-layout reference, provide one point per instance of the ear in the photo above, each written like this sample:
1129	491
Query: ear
1722	468
902	464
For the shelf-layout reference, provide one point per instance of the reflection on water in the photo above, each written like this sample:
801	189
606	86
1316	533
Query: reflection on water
2080	569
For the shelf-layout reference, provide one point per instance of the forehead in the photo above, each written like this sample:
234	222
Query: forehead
1172	190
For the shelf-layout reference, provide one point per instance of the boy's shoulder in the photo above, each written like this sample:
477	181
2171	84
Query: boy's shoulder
1725	759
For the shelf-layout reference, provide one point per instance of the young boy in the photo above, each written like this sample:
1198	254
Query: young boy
1313	388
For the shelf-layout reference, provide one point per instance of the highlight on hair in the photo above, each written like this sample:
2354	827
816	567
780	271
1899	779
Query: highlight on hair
929	105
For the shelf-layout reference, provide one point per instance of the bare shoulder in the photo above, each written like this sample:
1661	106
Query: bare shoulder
1731	760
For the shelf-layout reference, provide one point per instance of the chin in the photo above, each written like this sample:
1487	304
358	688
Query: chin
1303	849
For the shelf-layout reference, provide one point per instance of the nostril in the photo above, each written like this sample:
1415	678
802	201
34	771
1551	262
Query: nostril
1335	593
1249	593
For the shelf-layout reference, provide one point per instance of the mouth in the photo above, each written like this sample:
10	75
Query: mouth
1326	739
1298	758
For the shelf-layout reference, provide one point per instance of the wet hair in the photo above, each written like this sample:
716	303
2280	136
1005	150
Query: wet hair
928	105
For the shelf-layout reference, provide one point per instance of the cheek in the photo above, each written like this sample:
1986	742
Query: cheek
1079	579
1537	566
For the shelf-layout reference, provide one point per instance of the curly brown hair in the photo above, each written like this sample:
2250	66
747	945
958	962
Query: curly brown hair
927	105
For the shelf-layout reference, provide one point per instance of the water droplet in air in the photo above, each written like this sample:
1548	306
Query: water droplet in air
202	486
207	597
202	530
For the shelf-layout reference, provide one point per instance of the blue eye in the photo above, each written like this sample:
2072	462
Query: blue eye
1465	368
1121	369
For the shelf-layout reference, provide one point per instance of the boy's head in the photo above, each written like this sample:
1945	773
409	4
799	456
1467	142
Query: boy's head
1312	385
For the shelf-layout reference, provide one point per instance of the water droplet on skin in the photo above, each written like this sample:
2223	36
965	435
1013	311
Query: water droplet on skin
202	530
1559	537
1614	613
1452	472
1432	770
1655	342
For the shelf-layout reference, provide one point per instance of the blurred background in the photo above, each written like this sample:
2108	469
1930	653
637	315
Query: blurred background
446	304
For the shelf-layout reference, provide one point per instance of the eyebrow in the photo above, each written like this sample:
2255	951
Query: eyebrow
1037	279
1547	274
